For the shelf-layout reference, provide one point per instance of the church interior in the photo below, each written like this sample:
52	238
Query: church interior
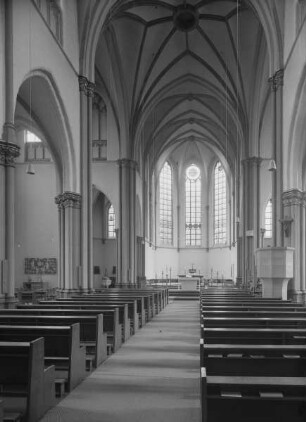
152	210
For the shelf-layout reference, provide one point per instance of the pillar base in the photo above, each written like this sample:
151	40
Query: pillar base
303	295
295	295
275	288
10	302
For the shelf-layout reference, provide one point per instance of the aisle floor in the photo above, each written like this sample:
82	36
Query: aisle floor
154	377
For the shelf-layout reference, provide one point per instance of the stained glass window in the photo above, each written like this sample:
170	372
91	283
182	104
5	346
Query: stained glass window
111	220
165	205
193	228
220	220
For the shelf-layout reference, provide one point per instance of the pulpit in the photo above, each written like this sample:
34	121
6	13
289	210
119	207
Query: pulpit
275	269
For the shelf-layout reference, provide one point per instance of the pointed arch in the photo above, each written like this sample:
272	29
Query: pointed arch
166	204
220	205
193	206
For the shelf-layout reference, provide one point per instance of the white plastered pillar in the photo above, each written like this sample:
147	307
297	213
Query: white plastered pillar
127	232
86	99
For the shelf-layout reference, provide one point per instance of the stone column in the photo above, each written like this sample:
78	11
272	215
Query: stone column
251	226
294	234
207	228
140	258
8	153
276	82
303	260
69	207
86	98
127	235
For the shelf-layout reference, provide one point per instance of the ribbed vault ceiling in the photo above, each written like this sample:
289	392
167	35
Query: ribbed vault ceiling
173	73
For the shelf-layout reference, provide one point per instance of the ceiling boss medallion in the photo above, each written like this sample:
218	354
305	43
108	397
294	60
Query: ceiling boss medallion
185	17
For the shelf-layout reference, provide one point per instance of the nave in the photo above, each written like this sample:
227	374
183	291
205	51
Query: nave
154	376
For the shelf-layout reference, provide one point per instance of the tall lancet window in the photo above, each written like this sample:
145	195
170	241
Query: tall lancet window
111	223
193	228
268	219
220	220
165	205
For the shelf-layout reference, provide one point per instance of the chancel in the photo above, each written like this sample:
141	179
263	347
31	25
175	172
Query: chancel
152	210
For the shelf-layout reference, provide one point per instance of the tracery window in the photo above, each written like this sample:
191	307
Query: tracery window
268	219
165	205
52	14
220	220
193	227
35	149
111	223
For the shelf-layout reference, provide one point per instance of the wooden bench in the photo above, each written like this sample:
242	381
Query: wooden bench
242	307
92	335
261	322
234	335
136	308
120	309
111	324
254	360
149	298
62	348
253	313
252	399
143	303
26	385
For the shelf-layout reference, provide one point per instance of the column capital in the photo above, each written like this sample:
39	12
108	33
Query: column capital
293	197
277	79
68	199
126	162
86	86
8	153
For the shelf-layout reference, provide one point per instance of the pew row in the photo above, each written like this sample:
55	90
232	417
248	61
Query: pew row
252	399
26	385
54	316
62	349
253	360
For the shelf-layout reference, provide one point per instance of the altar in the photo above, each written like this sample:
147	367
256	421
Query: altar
189	283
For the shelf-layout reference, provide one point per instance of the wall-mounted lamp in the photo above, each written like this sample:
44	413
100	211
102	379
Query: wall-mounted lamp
272	165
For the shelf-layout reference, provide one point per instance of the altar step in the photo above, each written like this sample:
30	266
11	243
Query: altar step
184	294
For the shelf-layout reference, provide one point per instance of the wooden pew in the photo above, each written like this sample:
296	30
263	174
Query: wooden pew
262	322
253	313
254	360
91	326
120	309
143	303
111	324
128	316
130	306
252	399
150	297
92	335
26	385
242	306
261	302
234	335
62	348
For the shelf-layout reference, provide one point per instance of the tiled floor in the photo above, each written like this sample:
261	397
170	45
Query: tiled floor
154	377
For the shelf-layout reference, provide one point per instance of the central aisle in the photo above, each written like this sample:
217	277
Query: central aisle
154	377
